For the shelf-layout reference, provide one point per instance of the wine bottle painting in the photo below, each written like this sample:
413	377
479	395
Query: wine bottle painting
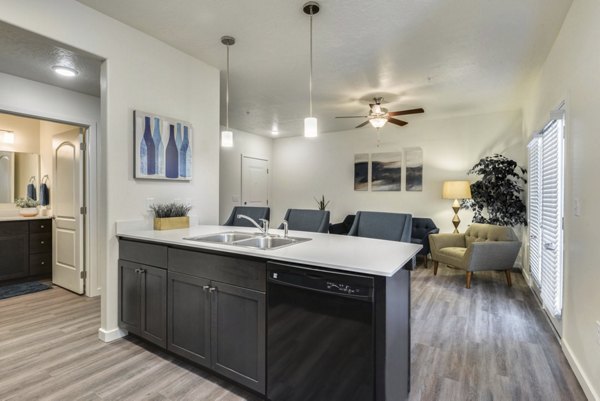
163	147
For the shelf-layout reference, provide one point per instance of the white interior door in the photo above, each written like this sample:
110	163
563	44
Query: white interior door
67	201
255	181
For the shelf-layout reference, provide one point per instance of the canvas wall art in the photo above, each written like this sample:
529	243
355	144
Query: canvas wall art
386	171
163	147
361	172
414	169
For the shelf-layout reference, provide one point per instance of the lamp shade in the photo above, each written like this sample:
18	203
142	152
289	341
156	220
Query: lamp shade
456	190
310	127
226	139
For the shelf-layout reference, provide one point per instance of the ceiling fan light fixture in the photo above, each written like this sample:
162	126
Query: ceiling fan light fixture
378	122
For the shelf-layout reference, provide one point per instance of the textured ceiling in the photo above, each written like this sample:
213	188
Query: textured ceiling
29	55
450	57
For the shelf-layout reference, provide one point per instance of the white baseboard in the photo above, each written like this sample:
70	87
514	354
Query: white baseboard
586	383
111	335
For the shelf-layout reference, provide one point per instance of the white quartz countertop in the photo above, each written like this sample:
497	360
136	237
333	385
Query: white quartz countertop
21	218
352	254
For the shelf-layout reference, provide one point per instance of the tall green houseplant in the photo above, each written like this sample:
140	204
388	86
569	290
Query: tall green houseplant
497	195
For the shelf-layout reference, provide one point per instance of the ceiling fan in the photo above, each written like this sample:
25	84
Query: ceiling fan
378	115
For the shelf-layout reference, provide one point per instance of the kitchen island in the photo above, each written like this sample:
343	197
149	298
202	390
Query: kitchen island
319	319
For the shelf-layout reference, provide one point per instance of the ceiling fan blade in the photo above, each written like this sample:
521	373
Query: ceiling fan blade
405	112
363	124
353	117
397	122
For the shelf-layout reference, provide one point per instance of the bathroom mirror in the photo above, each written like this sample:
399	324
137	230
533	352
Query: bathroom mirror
17	171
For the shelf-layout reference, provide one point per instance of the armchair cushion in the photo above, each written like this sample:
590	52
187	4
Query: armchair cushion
421	229
343	227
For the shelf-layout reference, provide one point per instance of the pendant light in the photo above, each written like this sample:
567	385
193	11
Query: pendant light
310	123
227	134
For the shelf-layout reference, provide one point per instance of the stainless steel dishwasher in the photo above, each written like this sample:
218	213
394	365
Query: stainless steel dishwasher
320	335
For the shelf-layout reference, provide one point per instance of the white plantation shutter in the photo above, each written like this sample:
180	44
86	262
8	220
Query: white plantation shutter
535	211
552	218
546	215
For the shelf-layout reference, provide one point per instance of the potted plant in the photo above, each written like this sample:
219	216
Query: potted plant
496	196
27	207
321	203
170	216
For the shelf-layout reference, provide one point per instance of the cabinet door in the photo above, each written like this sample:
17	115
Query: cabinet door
189	317
14	250
130	297
238	334
154	305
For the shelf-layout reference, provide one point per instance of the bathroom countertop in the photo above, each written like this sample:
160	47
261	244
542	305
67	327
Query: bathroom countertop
21	218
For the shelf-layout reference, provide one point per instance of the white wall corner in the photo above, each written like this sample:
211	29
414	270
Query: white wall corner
586	384
111	335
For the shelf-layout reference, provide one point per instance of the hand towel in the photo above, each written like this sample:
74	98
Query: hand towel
31	193
44	195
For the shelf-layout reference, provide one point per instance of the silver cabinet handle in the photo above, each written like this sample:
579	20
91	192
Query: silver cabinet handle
143	271
43	263
42	226
212	289
205	287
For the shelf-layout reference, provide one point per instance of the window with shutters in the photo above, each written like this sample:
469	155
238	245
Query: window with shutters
546	215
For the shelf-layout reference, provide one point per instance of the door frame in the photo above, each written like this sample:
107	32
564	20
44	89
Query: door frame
91	193
242	177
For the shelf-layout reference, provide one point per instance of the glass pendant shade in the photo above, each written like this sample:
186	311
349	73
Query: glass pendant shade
378	122
226	139
310	127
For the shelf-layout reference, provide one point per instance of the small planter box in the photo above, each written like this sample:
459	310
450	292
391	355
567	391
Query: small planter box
171	223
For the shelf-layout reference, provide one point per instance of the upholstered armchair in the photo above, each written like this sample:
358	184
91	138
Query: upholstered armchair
421	229
481	247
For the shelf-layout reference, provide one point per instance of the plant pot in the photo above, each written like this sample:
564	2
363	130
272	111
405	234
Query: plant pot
28	211
171	223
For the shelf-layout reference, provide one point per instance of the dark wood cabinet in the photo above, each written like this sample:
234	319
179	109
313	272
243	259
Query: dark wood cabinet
189	317
14	250
25	248
238	334
143	301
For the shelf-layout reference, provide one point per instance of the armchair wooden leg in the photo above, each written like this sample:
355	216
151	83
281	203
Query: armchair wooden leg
425	263
508	278
469	275
435	267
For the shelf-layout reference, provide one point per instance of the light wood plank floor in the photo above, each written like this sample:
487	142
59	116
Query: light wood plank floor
487	343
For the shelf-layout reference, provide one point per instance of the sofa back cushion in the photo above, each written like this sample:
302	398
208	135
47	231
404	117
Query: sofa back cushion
488	232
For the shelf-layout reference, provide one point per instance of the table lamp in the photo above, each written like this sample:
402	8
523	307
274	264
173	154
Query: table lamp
456	190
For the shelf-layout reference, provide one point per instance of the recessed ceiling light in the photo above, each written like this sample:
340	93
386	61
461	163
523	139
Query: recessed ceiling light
65	71
274	132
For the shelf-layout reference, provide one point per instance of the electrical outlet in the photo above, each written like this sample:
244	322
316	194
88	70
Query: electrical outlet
598	332
149	202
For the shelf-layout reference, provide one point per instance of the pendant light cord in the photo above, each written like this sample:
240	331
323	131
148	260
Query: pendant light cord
227	92
310	85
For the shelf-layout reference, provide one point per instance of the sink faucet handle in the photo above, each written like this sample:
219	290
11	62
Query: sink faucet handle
285	228
265	223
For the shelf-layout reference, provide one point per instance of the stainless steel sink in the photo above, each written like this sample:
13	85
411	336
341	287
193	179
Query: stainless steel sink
222	238
257	241
270	242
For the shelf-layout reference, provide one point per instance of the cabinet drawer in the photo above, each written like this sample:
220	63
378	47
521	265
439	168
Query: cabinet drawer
247	273
10	228
40	226
40	263
144	253
40	243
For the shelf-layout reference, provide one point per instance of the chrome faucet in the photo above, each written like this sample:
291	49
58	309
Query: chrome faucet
265	227
285	228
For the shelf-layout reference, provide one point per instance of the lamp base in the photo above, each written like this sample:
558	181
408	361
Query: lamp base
456	219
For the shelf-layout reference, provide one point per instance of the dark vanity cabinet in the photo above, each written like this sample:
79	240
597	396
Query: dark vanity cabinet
205	307
25	248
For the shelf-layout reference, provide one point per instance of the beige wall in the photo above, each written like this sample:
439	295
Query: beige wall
572	73
307	168
230	171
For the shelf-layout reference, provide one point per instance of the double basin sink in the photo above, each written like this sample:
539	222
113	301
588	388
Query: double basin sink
249	240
